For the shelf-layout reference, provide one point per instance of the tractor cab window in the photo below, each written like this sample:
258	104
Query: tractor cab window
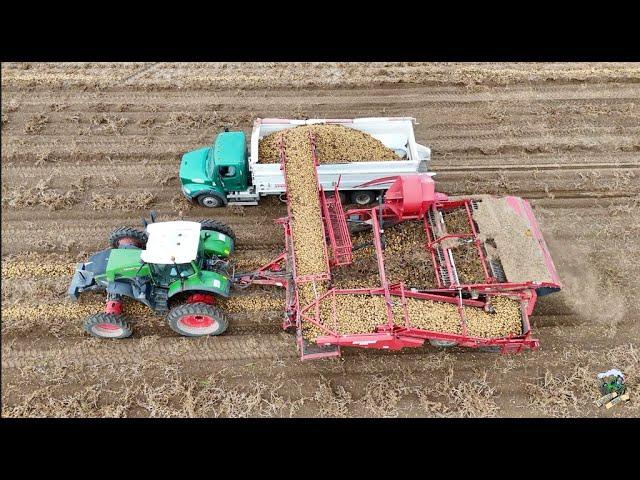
166	274
227	171
185	270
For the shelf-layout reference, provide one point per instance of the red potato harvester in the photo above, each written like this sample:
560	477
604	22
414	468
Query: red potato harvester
509	245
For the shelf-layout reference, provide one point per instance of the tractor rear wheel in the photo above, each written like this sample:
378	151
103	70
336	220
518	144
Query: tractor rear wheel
197	319
217	226
124	237
107	325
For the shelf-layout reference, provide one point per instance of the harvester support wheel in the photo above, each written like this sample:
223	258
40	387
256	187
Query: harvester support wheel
124	237
217	226
196	320
107	325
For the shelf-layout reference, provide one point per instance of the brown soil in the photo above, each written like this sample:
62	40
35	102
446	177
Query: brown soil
564	136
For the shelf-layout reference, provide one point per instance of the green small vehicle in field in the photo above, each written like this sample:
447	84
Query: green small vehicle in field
175	268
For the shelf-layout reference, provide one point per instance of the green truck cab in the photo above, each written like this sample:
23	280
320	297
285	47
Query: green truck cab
207	174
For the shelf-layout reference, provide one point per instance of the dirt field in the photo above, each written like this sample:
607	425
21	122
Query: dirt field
89	147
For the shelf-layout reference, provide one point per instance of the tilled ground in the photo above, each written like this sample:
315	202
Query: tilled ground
87	148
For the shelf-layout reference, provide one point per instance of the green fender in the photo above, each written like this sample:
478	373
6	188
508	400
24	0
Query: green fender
216	243
205	281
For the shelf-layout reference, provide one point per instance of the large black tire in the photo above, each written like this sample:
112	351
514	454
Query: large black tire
211	200
123	237
363	197
217	226
107	325
197	320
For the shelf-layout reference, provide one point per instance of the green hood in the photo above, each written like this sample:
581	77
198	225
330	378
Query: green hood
193	168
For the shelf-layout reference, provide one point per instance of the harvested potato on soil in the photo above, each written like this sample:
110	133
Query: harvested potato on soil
334	144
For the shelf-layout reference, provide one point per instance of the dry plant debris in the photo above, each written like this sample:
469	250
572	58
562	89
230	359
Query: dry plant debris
41	195
36	123
111	201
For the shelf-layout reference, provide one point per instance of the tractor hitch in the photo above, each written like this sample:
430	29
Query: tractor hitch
80	281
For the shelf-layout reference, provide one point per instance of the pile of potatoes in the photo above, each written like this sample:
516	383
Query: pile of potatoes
353	314
429	315
405	256
302	193
356	314
468	264
457	221
506	320
334	144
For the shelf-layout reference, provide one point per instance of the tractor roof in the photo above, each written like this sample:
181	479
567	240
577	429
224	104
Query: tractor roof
172	242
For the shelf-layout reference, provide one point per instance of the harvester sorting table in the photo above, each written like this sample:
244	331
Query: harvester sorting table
491	312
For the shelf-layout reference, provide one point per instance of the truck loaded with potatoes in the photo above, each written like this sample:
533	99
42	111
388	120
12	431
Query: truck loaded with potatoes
351	151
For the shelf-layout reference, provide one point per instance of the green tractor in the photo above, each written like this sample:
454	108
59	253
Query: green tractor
175	268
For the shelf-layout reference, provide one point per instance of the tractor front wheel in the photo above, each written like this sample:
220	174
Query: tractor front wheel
216	226
107	325
127	237
196	320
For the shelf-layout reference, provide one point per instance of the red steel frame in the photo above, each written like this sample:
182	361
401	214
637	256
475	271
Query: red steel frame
281	271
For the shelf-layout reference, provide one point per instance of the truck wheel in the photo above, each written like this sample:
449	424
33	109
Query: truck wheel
127	237
211	200
343	196
363	197
217	226
107	325
196	320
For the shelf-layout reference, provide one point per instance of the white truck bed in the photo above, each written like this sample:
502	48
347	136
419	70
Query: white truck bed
395	132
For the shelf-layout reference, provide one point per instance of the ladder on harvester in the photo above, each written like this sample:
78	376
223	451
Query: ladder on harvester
335	225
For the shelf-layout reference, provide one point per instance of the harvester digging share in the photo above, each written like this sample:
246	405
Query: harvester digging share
415	266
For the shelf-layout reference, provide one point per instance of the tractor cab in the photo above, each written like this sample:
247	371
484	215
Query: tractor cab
171	251
183	255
